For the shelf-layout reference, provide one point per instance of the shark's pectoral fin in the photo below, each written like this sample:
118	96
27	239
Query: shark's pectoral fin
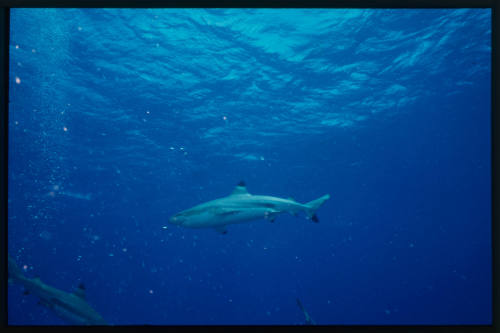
221	229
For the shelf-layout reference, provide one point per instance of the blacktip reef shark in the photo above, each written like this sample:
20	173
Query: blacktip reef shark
309	320
72	307
242	206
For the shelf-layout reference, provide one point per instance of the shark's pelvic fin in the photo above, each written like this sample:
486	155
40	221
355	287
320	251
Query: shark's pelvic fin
240	189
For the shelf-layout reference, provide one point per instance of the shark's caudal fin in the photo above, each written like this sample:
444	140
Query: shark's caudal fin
314	205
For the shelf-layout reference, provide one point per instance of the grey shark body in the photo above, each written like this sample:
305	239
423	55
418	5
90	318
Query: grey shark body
242	206
71	307
309	320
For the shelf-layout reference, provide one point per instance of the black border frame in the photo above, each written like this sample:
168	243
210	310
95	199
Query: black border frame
495	143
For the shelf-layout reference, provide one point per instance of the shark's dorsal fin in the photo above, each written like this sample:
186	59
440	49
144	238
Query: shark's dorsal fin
240	189
80	291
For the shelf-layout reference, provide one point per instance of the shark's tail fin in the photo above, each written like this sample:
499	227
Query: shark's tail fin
14	271
314	205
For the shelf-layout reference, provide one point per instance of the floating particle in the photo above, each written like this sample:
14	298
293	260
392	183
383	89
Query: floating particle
18	80
17	46
111	255
164	227
124	249
79	28
25	267
151	291
224	117
65	129
46	235
387	311
172	148
412	245
33	50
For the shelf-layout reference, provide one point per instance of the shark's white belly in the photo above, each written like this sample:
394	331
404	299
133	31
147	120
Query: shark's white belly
213	219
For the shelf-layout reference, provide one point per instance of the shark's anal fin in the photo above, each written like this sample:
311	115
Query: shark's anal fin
221	229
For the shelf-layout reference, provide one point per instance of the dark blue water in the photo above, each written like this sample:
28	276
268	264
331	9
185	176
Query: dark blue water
121	118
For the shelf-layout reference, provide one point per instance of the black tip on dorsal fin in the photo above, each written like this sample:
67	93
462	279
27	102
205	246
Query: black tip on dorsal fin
241	183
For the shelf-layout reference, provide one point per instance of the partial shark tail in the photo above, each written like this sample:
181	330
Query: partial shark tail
314	205
14	271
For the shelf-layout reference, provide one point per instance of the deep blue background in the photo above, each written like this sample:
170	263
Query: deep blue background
121	118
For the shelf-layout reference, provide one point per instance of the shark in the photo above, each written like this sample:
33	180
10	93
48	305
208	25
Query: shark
309	320
71	307
241	206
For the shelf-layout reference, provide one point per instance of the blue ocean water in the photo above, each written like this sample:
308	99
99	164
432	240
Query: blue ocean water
120	118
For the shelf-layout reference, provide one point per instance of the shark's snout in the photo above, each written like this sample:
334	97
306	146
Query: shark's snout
177	219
